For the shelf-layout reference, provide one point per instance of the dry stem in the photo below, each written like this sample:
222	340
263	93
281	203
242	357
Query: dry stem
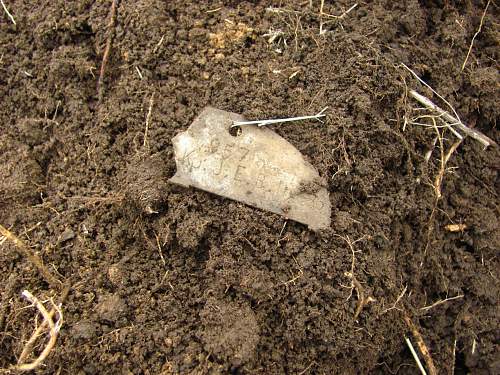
454	121
421	345
475	35
440	302
24	250
107	50
415	356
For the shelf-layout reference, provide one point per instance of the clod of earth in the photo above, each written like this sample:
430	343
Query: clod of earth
254	166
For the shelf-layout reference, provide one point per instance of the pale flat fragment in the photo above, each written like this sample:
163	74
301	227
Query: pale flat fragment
257	167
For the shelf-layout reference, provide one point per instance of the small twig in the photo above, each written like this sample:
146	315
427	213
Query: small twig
107	50
53	329
159	44
281	120
440	302
486	141
415	356
442	113
139	73
8	13
421	345
476	34
430	88
454	120
33	258
213	10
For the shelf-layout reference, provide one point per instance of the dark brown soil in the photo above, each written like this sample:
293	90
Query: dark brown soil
173	280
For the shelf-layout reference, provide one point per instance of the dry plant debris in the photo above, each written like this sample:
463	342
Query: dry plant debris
53	330
363	300
476	34
448	120
440	120
107	49
421	345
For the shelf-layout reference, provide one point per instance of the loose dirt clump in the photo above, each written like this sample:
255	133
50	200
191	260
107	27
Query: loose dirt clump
230	332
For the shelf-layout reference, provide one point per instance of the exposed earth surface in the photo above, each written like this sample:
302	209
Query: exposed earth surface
168	279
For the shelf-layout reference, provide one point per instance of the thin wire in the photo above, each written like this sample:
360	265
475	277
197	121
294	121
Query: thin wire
281	120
